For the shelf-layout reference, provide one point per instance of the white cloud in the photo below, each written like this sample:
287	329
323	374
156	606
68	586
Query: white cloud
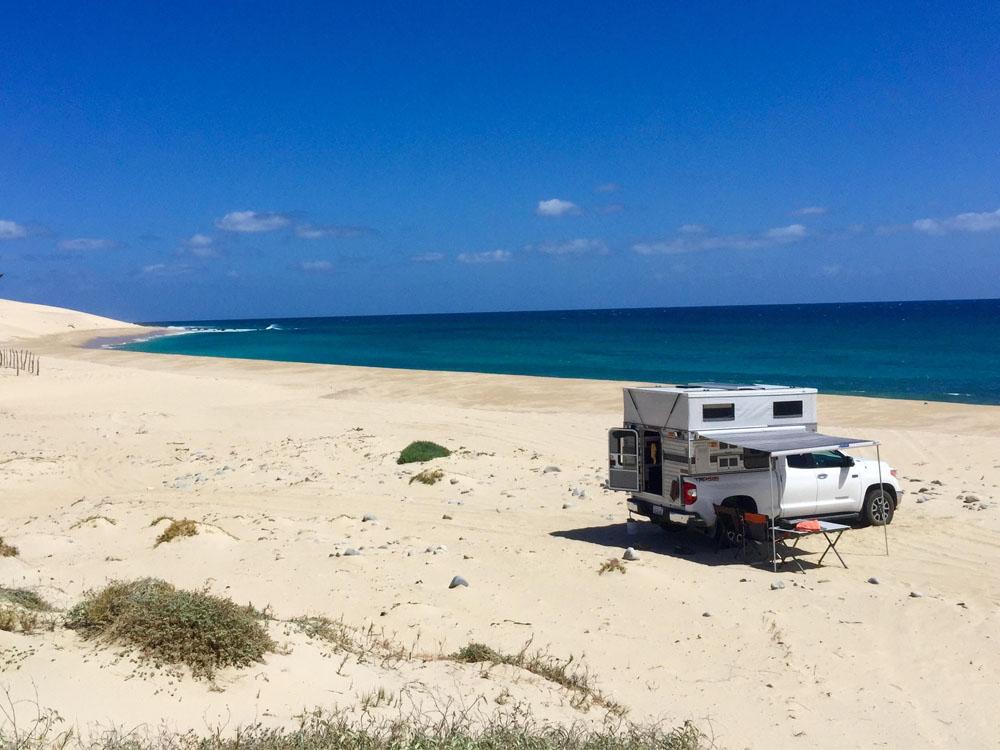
87	243
556	207
608	187
810	211
11	230
315	232
572	247
250	222
693	241
693	229
166	269
791	233
610	208
986	221
490	256
199	240
427	257
316	266
201	245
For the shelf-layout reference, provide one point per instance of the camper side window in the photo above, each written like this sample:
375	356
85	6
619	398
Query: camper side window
718	412
787	409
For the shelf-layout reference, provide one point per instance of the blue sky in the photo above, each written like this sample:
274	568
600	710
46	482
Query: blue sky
204	160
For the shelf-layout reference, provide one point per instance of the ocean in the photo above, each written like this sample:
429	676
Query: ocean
941	351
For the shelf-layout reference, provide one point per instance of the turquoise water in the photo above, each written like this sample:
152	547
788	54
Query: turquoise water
944	351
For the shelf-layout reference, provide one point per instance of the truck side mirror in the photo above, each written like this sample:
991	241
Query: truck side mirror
848	461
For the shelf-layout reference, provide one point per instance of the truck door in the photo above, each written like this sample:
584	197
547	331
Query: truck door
798	495
623	460
838	486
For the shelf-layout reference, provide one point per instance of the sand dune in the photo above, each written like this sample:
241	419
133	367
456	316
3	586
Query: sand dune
279	463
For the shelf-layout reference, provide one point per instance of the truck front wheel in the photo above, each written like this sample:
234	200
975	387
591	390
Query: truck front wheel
878	507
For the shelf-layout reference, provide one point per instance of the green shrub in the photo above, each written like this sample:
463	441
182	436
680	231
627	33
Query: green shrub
173	626
420	451
25	598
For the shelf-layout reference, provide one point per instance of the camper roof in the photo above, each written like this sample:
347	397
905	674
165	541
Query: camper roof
725	389
715	406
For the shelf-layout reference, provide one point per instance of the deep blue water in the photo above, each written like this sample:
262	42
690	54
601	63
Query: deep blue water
945	351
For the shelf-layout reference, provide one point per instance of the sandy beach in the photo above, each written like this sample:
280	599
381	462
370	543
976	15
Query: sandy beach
279	463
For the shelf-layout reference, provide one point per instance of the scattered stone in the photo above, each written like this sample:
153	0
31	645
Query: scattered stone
922	499
567	506
970	499
453	480
706	614
775	585
368	518
445	517
551	470
916	595
631	555
351	552
938	482
874	580
457	581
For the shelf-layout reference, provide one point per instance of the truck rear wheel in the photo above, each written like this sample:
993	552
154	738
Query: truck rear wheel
878	507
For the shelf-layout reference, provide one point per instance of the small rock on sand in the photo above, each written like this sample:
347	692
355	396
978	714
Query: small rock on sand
775	585
874	580
551	470
567	506
457	581
916	595
368	518
351	552
631	555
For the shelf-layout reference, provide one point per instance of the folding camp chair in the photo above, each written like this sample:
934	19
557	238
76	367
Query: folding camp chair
757	536
729	532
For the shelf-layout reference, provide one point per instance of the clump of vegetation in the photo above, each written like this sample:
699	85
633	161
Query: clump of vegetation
8	550
320	730
13	619
172	626
25	598
428	476
420	451
183	527
611	566
93	520
562	672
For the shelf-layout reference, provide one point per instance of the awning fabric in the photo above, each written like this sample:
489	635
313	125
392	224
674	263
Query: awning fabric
785	442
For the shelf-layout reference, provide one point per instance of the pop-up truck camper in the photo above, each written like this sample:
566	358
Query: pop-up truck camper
682	450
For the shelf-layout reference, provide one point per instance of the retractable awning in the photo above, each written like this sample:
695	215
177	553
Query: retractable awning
779	442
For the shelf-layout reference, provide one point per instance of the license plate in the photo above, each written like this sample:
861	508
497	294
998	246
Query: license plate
657	510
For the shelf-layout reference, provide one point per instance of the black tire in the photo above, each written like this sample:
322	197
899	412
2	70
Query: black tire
878	508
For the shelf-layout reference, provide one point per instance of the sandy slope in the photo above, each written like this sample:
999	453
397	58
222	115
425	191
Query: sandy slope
280	462
22	320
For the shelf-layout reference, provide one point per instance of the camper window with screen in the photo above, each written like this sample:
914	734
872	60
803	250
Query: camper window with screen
718	412
787	409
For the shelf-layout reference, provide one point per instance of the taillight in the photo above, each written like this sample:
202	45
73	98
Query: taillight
690	493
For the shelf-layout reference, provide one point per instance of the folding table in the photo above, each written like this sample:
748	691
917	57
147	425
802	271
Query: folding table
826	528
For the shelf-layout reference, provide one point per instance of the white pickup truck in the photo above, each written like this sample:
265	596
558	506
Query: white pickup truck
682	450
820	484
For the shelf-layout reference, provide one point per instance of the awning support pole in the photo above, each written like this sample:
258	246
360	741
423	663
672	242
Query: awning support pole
774	547
881	489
